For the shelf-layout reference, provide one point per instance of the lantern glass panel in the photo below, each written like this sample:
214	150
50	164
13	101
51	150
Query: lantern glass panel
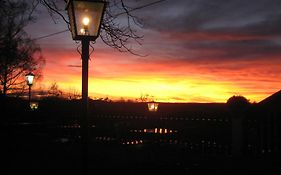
152	106
88	17
29	79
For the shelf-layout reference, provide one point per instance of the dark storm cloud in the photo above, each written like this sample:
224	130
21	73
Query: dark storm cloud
234	16
245	49
231	29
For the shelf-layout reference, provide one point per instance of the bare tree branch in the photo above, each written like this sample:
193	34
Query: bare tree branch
114	32
18	53
53	8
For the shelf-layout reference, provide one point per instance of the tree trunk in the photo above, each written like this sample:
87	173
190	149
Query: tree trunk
5	81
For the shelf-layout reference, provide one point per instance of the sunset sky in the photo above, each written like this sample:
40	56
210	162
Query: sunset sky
196	51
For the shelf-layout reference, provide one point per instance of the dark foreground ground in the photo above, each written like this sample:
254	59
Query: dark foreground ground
27	151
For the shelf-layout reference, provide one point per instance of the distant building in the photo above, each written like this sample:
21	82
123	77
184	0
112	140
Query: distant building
268	112
203	126
193	126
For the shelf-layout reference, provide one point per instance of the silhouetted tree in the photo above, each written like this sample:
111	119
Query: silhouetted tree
238	104
18	53
73	94
146	98
54	90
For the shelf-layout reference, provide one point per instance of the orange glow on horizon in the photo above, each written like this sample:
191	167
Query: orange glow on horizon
122	76
160	89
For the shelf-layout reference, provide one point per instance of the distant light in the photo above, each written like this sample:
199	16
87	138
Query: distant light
153	106
34	105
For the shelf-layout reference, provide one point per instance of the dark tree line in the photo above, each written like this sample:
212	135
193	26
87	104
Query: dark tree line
19	54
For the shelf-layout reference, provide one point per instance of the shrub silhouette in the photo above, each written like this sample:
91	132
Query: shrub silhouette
238	104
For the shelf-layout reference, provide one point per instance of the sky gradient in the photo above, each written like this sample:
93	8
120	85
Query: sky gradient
196	51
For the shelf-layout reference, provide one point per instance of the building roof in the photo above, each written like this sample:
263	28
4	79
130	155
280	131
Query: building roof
272	100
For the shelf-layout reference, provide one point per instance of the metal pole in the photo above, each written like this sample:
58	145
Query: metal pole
84	119
29	93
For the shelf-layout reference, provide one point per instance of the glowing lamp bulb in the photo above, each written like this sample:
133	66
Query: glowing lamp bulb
86	21
29	78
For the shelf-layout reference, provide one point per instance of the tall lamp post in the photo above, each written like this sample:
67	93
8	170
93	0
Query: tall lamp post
29	81
85	17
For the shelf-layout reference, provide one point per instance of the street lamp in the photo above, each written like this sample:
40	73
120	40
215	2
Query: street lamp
29	81
85	18
152	106
33	105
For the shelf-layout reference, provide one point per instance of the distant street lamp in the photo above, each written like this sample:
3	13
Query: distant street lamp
152	106
29	81
85	18
33	105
